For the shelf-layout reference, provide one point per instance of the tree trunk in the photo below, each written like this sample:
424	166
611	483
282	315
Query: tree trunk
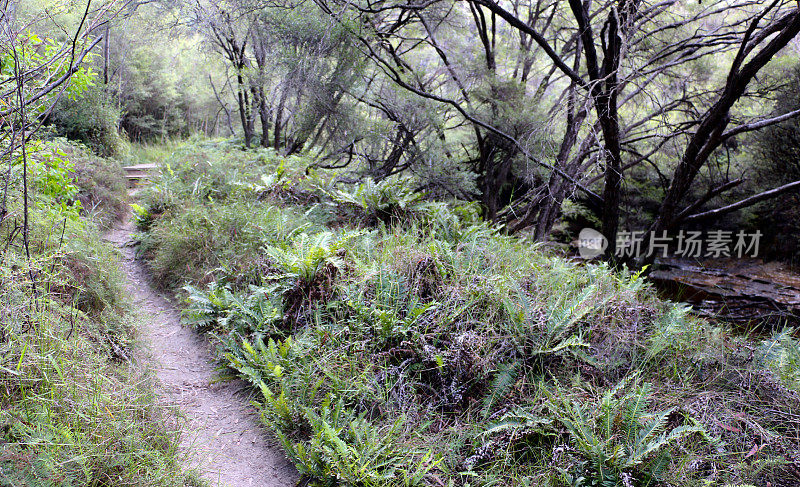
106	53
279	118
243	115
263	111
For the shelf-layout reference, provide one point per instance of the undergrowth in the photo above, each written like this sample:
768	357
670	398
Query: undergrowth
395	340
74	409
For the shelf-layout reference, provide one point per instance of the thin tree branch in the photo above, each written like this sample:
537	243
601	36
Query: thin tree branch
772	193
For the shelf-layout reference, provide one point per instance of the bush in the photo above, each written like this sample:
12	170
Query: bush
208	242
101	183
92	120
70	182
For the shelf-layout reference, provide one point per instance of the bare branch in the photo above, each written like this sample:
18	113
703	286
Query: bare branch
772	193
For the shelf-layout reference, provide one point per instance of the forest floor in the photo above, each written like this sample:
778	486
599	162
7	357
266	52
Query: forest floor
743	292
398	340
222	437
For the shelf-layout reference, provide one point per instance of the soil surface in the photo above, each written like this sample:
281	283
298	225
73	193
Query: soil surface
222	437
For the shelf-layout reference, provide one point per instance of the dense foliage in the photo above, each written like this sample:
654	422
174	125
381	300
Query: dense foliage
425	348
640	112
482	101
366	248
778	153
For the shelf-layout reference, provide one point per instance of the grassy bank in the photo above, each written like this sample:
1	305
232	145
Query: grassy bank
73	409
394	340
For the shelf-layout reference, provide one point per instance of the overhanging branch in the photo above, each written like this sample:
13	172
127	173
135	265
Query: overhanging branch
744	203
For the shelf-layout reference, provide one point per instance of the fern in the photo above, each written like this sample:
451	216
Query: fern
219	308
345	448
503	381
207	309
558	332
570	310
379	201
303	260
618	435
520	421
781	354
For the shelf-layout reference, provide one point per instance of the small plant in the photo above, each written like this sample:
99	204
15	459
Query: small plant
53	176
454	224
304	260
384	201
554	330
337	445
781	353
391	324
219	308
346	449
283	370
616	441
142	217
618	438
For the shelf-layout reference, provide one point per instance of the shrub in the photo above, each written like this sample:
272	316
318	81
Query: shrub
211	241
101	183
69	182
387	201
92	120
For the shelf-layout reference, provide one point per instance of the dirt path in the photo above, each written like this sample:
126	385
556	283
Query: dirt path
222	434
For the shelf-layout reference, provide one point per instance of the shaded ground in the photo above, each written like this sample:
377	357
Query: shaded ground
734	290
221	434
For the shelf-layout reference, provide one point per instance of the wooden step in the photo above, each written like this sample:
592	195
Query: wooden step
141	167
138	173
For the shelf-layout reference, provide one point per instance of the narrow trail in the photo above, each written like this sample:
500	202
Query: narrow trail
221	435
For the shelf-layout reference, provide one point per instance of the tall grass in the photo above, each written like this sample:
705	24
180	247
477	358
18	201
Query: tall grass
73	415
74	408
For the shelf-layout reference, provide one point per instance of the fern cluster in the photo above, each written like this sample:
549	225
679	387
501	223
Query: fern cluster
218	308
305	258
382	201
434	350
619	436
